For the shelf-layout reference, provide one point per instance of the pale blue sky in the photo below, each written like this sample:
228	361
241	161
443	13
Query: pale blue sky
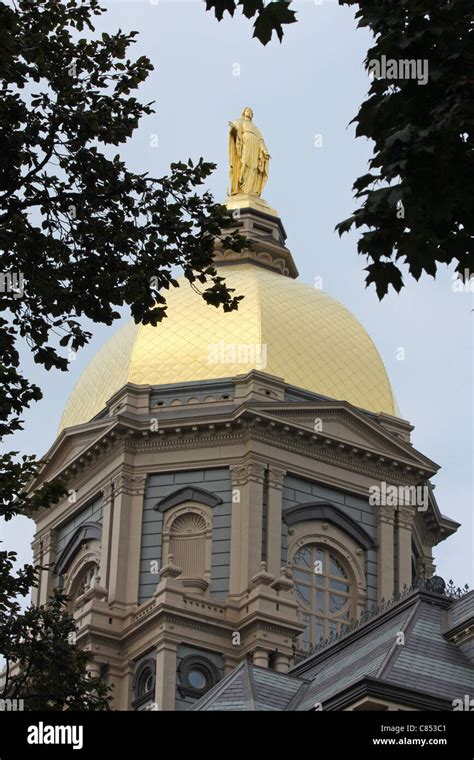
311	84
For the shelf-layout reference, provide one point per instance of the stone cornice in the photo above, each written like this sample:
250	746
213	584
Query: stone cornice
429	538
366	428
129	434
301	441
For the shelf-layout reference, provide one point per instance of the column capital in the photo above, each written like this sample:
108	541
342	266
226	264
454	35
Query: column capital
386	514
124	482
429	538
276	477
46	540
405	516
242	473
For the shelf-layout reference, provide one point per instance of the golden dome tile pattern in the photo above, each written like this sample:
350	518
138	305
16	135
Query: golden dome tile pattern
283	327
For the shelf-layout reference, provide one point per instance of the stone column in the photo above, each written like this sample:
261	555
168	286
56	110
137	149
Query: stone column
137	492
107	521
405	517
230	663
385	568
122	678
37	548
165	689
260	658
274	513
282	662
429	540
47	556
246	526
119	532
94	669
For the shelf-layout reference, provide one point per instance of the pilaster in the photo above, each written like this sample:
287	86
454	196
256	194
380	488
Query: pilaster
125	502
405	517
45	555
246	526
165	690
386	575
274	516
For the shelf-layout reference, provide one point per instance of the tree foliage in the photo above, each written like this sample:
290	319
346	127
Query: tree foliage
80	236
44	666
269	17
417	207
83	233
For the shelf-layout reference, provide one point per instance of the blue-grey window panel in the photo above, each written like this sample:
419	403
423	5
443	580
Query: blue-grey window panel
214	480
91	513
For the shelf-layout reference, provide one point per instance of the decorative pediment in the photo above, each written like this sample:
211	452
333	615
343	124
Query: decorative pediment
182	495
68	448
342	424
89	531
328	512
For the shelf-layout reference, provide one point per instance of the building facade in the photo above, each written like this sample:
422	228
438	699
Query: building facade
241	486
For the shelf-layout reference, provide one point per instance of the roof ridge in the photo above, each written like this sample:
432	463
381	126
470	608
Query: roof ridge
217	690
298	695
393	651
249	683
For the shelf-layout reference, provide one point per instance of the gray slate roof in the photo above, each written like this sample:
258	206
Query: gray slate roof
426	663
250	688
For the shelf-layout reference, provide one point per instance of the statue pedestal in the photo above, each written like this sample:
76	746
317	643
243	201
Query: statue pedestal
249	200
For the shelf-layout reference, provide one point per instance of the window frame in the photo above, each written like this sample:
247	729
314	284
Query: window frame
204	513
146	696
319	588
196	662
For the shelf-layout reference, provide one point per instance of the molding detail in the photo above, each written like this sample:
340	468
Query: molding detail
386	514
187	494
405	517
89	531
276	477
328	512
242	473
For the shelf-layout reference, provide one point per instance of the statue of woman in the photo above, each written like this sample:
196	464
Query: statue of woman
248	156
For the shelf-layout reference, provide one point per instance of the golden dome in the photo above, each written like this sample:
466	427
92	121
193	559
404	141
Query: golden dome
311	341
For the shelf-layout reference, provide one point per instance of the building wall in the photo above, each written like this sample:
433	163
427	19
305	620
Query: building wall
92	513
217	481
297	490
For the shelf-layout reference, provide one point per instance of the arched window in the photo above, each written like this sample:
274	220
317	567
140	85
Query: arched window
82	582
144	684
188	544
87	579
324	587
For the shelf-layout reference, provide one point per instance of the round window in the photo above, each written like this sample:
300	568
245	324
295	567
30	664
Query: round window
197	678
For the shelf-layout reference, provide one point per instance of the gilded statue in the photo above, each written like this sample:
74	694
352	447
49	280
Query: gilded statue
248	156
